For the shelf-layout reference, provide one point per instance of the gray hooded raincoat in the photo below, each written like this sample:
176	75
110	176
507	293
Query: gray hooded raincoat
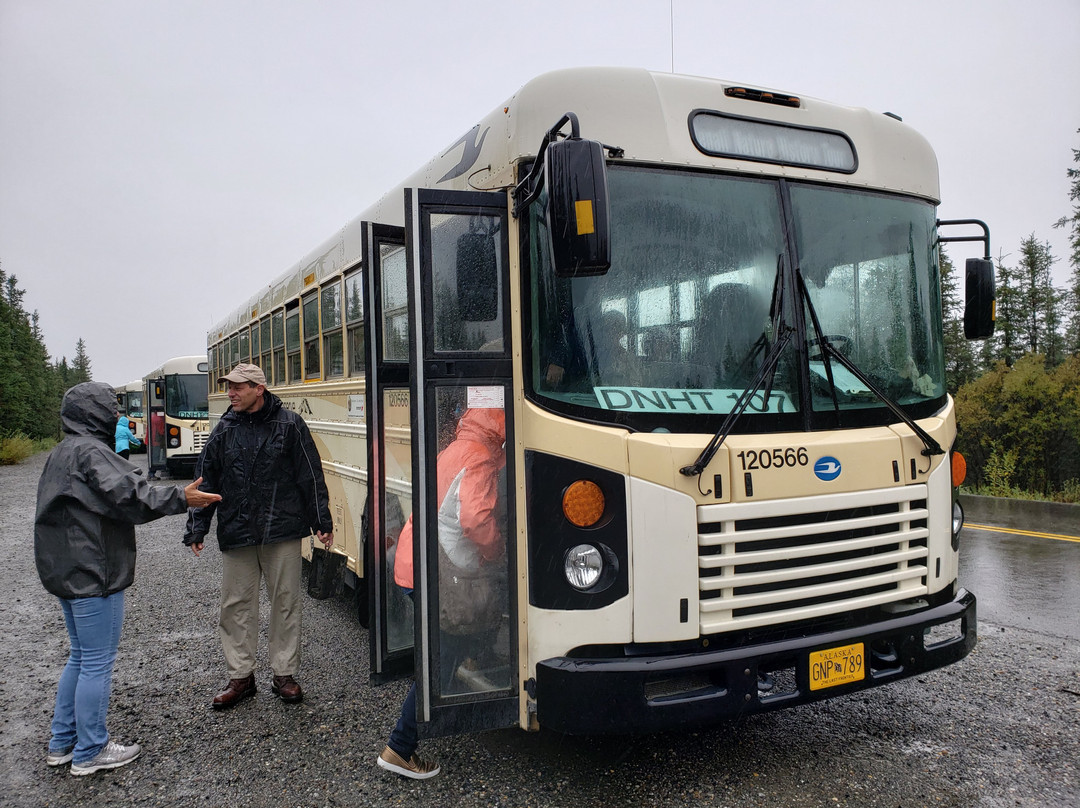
89	501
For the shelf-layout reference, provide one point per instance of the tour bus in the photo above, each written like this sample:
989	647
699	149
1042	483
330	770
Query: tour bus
709	315
177	423
129	402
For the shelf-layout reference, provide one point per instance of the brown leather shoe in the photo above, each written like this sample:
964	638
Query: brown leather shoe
236	691
287	689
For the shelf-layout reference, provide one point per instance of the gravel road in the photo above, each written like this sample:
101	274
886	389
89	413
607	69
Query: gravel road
998	729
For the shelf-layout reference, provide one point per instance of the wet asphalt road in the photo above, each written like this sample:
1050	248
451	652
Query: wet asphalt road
998	729
1025	582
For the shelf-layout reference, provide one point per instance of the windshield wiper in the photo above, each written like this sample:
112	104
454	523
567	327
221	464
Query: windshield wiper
828	352
698	466
767	369
776	312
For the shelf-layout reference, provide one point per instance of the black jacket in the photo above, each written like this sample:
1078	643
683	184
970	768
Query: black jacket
90	499
269	474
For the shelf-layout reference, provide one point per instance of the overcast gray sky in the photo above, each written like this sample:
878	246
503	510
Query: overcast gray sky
163	160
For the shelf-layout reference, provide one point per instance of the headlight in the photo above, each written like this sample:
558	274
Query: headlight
957	524
583	566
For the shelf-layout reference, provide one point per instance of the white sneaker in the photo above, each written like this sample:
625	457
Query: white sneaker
111	756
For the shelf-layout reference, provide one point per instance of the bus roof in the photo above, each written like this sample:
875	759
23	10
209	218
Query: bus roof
644	113
180	365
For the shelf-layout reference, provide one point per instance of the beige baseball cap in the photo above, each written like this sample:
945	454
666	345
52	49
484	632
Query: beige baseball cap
245	373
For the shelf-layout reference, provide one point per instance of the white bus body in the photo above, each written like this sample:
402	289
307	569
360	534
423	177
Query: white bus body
755	237
177	422
129	400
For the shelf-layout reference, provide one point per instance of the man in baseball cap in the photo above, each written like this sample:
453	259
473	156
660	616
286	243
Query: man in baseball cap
261	459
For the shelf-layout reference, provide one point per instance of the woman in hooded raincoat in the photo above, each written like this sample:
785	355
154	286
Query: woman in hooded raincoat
88	502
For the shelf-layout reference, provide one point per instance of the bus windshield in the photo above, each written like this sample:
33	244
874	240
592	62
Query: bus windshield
186	396
702	281
134	404
872	279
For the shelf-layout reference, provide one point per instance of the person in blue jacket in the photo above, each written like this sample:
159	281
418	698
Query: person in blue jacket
124	438
88	503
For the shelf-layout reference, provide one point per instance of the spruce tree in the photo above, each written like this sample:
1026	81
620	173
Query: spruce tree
1071	300
80	366
1004	344
16	393
961	365
1036	312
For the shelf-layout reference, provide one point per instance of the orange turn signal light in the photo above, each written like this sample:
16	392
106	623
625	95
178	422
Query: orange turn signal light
959	469
583	503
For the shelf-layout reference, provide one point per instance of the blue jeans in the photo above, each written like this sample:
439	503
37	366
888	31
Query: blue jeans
82	699
404	739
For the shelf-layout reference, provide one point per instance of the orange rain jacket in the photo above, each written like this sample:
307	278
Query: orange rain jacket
468	476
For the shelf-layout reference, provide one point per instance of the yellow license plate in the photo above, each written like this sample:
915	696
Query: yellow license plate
837	666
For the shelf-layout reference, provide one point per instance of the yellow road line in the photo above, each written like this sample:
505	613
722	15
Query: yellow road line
1035	533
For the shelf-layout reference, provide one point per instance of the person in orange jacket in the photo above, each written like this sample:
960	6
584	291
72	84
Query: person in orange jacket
471	540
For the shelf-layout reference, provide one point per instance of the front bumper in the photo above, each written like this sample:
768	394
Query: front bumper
663	692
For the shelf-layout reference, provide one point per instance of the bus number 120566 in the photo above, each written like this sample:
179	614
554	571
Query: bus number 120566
773	458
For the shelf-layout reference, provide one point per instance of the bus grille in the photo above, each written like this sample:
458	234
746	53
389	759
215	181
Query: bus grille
200	440
767	563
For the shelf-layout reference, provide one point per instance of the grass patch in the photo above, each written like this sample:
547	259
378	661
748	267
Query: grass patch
17	447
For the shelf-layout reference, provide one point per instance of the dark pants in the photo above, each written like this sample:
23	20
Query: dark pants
404	739
125	453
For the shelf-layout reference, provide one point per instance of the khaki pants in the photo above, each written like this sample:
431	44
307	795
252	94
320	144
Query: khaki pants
279	565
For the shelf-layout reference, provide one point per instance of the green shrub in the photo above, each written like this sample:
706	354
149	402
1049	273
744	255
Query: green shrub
1071	492
999	471
15	449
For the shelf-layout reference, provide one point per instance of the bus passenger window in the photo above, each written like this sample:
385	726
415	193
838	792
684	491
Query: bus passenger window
335	355
333	348
215	368
354	321
255	343
312	367
277	331
292	343
264	340
245	349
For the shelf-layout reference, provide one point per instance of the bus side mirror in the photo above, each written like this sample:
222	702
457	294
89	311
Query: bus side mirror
980	307
576	178
159	390
477	278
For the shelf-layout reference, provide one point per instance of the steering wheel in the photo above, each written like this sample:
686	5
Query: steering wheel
838	341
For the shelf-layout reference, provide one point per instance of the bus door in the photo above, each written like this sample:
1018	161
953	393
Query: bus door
387	418
462	421
155	425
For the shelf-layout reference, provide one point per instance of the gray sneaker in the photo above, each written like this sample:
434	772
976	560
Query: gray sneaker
111	756
58	757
